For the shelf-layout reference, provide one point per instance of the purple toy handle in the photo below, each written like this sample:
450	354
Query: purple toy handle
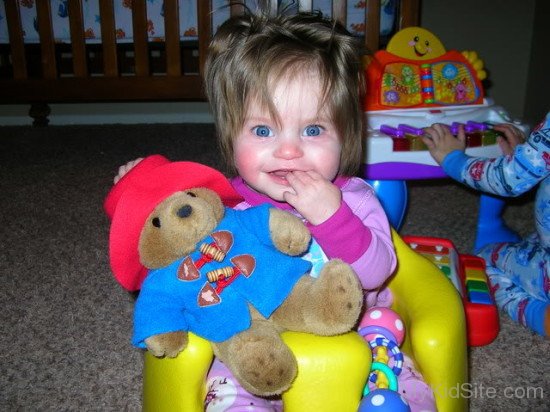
410	129
391	131
477	127
455	126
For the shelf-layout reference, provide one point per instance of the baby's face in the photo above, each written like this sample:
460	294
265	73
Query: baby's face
305	139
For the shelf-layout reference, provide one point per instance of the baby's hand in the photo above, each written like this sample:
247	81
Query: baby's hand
122	170
314	197
513	137
441	142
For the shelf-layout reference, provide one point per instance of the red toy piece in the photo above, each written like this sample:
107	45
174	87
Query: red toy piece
467	273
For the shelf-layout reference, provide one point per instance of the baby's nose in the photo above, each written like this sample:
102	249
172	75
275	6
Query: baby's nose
289	149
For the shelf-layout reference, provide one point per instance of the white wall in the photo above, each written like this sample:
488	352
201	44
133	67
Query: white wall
501	32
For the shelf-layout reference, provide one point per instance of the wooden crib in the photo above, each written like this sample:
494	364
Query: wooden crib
109	71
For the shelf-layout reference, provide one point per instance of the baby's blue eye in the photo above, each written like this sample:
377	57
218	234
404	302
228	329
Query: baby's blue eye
312	130
262	131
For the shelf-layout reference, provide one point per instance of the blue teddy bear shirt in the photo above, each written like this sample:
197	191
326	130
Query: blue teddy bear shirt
208	291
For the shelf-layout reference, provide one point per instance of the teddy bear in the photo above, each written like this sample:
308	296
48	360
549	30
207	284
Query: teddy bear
233	277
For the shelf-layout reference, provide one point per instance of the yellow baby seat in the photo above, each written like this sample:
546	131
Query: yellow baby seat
332	371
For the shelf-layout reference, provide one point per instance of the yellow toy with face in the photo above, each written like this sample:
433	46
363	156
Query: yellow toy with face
415	43
416	70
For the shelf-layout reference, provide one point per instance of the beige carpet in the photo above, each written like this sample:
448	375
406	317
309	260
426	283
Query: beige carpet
66	324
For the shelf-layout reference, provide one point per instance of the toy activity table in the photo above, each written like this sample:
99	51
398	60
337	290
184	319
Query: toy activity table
388	164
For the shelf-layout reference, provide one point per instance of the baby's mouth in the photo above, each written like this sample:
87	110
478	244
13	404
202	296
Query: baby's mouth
281	175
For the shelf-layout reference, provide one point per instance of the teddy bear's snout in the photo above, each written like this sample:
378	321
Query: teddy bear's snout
184	211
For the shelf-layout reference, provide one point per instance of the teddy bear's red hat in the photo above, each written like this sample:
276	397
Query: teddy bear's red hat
136	195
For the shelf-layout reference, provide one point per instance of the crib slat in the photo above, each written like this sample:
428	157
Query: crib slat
172	37
340	11
372	25
108	38
139	24
76	21
305	5
16	39
47	43
409	13
204	21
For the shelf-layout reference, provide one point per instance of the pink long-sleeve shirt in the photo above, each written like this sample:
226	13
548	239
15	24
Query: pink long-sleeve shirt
358	233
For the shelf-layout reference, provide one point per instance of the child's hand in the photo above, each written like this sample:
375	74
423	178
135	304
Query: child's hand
441	142
314	197
513	137
122	170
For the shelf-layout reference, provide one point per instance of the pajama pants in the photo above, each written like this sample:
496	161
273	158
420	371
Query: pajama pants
225	393
519	277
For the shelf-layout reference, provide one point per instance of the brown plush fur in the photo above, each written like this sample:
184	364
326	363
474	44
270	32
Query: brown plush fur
258	357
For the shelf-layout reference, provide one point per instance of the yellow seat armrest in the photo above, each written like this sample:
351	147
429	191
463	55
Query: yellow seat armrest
177	383
435	323
332	372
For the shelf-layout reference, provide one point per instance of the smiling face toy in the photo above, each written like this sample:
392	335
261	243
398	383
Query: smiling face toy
415	43
415	70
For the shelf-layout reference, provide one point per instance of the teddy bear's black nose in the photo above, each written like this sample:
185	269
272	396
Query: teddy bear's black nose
184	211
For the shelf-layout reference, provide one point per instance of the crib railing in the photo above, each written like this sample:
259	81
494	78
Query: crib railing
48	84
111	71
409	15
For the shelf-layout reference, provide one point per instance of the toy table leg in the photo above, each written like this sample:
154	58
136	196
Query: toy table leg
490	225
393	196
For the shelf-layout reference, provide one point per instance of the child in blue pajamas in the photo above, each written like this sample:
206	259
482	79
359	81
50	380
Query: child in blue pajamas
518	272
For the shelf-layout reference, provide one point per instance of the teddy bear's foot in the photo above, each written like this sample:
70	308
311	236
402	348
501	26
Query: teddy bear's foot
259	360
328	305
167	344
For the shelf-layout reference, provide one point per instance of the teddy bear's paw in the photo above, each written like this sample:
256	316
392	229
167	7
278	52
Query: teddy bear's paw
288	233
265	368
167	344
267	375
339	298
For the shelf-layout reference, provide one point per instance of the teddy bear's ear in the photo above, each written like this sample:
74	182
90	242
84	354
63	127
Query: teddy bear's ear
212	198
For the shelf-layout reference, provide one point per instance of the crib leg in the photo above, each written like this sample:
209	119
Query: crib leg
40	112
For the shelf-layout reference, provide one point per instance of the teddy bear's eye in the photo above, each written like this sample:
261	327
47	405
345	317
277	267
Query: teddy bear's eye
191	194
156	222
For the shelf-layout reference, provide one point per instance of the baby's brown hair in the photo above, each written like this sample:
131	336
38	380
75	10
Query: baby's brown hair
250	53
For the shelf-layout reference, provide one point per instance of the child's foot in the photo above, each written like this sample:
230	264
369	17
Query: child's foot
490	225
537	317
494	233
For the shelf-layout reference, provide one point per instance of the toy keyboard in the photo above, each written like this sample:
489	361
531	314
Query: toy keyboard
396	152
467	273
